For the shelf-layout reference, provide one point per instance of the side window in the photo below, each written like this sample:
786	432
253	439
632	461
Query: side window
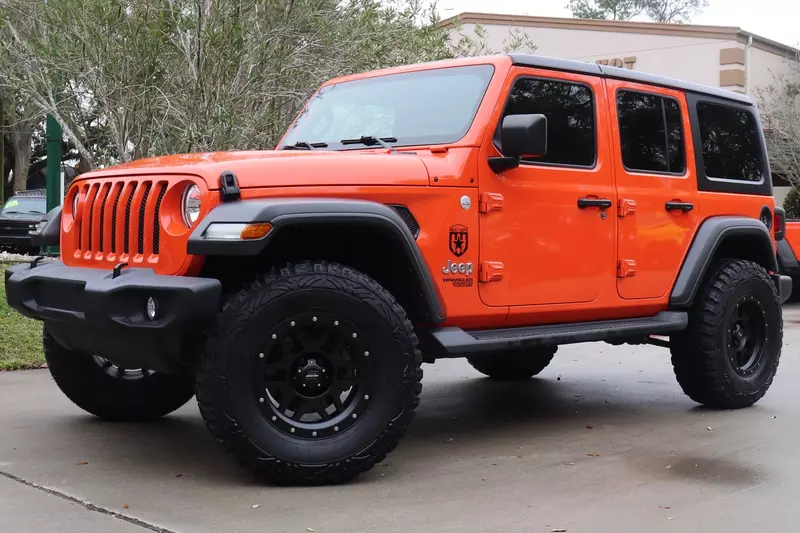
569	108
651	136
730	141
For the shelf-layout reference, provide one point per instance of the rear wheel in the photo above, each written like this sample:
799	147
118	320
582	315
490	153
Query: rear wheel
311	375
729	354
513	365
110	392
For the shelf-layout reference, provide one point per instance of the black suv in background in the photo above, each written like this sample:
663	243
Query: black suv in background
21	214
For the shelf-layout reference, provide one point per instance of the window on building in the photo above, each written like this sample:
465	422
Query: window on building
731	144
651	136
569	108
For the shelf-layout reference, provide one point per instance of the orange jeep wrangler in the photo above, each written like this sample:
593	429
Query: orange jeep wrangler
489	208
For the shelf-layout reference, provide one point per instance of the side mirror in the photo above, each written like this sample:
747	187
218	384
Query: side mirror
524	135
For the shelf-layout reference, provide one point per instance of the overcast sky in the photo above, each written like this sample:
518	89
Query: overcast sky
775	19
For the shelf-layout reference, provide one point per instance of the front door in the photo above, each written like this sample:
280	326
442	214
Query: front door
656	186
554	234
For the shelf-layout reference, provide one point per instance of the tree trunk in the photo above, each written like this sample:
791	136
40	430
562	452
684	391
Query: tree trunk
21	143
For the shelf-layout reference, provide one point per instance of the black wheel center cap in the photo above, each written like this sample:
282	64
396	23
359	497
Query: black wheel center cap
739	337
312	376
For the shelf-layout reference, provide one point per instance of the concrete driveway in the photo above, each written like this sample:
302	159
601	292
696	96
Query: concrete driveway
604	441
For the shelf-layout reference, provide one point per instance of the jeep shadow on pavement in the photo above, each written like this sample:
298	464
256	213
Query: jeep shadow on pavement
490	208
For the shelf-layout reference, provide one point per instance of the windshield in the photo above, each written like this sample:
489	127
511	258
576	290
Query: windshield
416	108
24	205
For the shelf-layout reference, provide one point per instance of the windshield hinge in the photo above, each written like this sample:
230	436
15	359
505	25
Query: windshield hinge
490	201
230	186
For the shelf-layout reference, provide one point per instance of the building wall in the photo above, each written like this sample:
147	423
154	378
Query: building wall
689	58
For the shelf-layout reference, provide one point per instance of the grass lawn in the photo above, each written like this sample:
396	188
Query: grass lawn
20	337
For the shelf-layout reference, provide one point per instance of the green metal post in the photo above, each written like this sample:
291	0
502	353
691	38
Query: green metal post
54	197
2	156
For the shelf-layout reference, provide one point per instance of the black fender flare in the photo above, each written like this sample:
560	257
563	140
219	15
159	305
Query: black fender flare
708	239
283	212
787	261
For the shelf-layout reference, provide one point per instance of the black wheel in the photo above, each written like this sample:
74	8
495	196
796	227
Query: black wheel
99	387
513	365
728	356
311	375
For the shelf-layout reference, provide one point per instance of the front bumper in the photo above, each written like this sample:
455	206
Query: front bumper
90	310
16	241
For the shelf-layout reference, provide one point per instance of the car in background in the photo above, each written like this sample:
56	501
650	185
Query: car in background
21	214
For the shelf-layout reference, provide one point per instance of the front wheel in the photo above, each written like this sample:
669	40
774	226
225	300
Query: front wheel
111	392
311	375
729	354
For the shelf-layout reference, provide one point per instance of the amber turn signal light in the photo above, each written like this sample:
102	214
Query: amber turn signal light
255	231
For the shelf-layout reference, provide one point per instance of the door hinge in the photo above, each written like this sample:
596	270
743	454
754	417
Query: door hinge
626	268
490	201
626	207
490	271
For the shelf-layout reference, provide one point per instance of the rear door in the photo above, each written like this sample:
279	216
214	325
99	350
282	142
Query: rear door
656	186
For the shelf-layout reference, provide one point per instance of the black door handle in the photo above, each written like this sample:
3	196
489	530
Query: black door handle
602	203
679	206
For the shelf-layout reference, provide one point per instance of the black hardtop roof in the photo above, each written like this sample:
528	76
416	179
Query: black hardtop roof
566	65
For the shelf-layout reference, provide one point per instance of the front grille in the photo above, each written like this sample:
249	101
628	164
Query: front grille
142	207
111	205
156	223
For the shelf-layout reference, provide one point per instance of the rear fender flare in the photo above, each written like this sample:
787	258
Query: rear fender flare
709	238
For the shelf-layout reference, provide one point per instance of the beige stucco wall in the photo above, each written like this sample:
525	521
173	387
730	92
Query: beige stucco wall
688	58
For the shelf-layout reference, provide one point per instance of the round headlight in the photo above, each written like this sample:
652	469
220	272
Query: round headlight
190	205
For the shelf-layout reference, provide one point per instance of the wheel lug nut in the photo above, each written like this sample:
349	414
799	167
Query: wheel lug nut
274	336
299	370
274	418
355	335
313	433
335	322
261	400
366	396
336	428
292	323
261	356
292	430
355	415
314	319
366	354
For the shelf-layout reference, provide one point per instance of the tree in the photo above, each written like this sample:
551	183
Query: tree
667	11
606	9
674	11
780	110
128	79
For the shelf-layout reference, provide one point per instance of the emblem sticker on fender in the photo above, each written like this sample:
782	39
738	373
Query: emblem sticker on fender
457	272
459	240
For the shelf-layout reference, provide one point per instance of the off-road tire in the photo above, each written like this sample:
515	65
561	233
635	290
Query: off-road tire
225	380
137	397
701	354
514	365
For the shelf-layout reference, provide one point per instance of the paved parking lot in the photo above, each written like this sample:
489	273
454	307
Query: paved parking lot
611	446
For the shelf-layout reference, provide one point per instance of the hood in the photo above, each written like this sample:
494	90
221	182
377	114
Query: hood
284	168
20	217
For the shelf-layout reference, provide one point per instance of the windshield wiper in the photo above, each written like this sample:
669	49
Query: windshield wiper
302	145
371	140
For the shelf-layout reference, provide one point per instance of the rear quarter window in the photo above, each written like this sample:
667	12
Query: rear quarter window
731	144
